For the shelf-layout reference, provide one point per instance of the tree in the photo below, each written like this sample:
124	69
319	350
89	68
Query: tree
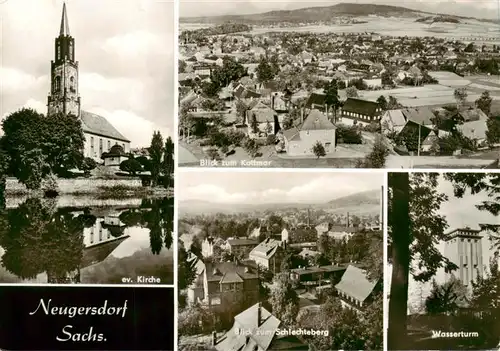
265	71
415	229
332	96
387	78
88	165
493	132
269	128
156	153
393	103
377	157
470	48
182	66
185	270
131	166
284	299
446	298
254	124
252	147
168	162
351	92
382	102
241	110
319	149
38	146
484	102
460	95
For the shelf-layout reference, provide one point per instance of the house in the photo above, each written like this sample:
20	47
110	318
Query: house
357	111
308	253
114	157
339	232
260	333
316	128
314	276
241	247
373	83
268	254
393	121
316	101
217	284
355	290
263	118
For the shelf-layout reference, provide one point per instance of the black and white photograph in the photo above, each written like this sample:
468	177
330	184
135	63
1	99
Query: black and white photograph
364	84
443	272
280	260
87	142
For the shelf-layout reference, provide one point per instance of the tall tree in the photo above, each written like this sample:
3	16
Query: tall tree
265	70
156	153
484	102
415	230
284	299
185	270
332	100
460	95
382	102
168	162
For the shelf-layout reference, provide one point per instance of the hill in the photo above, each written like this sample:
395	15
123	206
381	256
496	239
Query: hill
366	200
311	14
371	197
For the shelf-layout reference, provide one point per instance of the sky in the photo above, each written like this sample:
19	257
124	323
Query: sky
193	8
462	212
125	51
273	187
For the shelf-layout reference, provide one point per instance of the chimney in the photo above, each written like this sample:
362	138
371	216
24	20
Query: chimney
347	220
214	338
259	314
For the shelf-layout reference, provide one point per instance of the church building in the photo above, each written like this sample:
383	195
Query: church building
100	135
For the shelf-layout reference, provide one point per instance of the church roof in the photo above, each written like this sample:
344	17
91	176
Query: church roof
95	124
64	22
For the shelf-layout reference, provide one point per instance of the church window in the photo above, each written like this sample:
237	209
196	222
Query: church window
91	146
109	145
70	50
123	147
72	84
57	84
100	146
59	52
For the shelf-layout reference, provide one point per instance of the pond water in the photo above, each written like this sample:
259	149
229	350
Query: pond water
92	242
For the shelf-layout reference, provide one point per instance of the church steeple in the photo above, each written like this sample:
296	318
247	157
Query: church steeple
63	96
64	23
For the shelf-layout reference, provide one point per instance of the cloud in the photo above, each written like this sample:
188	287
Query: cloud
135	44
13	80
317	189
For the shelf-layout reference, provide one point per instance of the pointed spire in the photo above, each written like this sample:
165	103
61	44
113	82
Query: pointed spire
64	22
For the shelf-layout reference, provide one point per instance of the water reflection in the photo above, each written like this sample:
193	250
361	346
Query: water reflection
43	243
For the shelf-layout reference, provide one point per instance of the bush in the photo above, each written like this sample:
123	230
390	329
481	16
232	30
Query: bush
88	165
271	139
348	135
131	166
373	127
213	154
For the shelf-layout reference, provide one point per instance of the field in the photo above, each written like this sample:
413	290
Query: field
392	26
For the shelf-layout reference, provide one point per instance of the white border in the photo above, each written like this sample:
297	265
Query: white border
176	169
